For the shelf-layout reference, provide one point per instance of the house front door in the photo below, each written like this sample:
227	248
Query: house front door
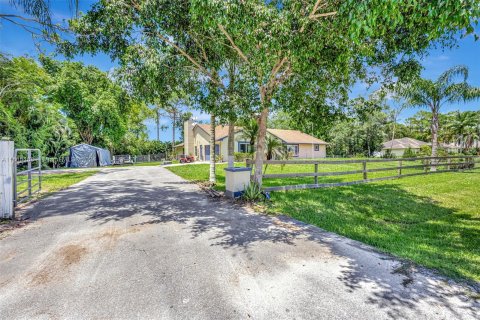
207	152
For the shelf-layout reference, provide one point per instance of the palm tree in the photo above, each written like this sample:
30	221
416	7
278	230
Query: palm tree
272	146
250	132
463	126
434	94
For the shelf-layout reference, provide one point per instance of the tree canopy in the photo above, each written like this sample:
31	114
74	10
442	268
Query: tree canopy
54	105
285	48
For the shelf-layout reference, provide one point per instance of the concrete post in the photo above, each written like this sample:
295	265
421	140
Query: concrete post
6	179
236	180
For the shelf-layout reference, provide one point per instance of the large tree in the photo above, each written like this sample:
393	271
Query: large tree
291	45
433	94
322	46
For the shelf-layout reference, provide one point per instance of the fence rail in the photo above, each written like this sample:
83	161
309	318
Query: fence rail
27	173
415	166
129	159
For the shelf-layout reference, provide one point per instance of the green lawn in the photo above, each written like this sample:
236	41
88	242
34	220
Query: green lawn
55	182
433	220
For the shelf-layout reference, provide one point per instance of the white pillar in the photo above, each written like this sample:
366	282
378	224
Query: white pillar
236	181
6	178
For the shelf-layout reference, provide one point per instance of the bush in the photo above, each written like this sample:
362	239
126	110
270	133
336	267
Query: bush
242	156
409	153
388	154
253	193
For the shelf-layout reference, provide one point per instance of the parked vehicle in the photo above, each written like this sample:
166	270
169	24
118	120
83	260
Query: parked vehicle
186	159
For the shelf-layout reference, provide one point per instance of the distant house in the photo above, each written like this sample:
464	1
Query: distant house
197	142
398	146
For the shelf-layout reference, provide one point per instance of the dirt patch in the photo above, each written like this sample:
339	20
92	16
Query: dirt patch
285	225
406	269
72	254
59	264
8	256
111	236
10	225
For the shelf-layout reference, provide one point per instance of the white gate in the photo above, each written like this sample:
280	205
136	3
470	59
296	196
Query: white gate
6	178
27	174
20	176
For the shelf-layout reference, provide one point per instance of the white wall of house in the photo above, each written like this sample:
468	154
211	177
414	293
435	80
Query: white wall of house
399	152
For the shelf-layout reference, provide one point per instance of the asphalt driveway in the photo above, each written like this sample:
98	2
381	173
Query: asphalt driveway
141	242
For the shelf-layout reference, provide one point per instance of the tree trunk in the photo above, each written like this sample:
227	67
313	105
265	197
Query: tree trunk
260	151
158	125
174	117
212	179
434	128
231	141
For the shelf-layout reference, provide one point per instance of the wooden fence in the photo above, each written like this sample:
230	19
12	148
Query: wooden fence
367	168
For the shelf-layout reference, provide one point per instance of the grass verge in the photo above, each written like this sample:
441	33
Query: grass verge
55	182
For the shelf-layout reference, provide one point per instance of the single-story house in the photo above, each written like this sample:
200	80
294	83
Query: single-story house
197	142
398	146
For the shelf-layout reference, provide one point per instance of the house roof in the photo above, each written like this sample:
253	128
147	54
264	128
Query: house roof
221	132
404	143
287	136
179	145
294	136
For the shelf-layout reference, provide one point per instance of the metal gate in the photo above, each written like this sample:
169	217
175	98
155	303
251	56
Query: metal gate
27	174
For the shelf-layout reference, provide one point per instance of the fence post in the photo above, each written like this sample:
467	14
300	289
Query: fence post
29	173
6	179
364	162
448	163
148	158
316	171
425	166
399	168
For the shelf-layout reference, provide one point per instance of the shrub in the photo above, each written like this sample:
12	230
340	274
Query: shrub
409	153
242	156
388	154
253	193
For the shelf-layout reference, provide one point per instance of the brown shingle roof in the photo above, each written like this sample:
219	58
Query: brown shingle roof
287	136
294	136
220	131
404	143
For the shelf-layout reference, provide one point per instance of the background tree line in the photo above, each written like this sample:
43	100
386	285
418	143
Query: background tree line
52	105
355	134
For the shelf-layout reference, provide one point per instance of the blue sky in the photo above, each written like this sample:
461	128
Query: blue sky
15	41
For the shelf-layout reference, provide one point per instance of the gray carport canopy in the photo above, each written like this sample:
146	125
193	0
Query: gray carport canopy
85	156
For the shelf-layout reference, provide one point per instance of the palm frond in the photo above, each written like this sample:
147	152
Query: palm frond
446	78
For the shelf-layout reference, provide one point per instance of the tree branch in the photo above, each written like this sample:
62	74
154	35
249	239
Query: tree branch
190	58
240	53
320	15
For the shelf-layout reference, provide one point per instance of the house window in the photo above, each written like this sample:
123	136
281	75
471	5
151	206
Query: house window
243	147
316	147
293	148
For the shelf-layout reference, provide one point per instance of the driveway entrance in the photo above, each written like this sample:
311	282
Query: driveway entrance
141	242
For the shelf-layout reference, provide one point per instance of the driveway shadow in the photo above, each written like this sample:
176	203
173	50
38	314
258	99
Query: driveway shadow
233	228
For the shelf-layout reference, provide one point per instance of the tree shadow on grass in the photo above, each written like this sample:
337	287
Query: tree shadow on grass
237	231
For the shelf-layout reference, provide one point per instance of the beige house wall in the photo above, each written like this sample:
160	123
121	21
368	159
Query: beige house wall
201	138
306	150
